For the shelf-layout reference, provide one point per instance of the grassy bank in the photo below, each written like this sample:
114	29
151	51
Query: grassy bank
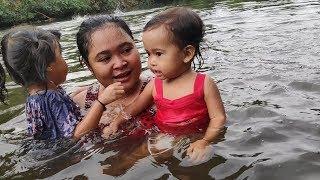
13	12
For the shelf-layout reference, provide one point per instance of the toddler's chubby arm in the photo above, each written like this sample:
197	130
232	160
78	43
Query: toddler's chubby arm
217	117
91	120
143	101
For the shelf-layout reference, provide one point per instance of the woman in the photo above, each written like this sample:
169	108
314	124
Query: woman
107	48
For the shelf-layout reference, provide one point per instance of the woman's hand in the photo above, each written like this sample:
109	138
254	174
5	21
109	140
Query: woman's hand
91	120
111	93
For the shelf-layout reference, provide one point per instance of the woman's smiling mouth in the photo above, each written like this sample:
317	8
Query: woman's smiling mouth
123	76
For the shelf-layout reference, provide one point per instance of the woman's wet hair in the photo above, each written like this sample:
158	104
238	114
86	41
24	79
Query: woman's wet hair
184	27
91	25
27	52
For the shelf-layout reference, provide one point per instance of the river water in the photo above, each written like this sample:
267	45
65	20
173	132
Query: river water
265	56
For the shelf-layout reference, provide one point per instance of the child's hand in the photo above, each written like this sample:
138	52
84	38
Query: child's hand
111	93
198	151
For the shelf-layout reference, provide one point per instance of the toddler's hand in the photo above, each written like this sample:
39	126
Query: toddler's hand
112	128
111	93
198	151
109	130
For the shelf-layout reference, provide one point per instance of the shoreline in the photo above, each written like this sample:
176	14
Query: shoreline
19	12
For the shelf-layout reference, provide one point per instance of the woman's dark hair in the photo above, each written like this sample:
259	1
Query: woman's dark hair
185	28
27	52
91	25
3	89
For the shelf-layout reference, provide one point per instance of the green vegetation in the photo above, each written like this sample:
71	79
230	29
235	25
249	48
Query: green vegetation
14	12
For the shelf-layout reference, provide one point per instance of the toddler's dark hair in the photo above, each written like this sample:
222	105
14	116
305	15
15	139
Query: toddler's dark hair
27	52
185	28
91	25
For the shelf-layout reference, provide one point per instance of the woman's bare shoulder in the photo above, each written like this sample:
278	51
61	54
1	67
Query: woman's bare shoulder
78	96
79	91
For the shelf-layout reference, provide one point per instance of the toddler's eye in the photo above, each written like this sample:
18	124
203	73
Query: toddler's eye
158	53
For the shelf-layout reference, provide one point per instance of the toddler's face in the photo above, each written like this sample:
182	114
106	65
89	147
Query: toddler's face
165	58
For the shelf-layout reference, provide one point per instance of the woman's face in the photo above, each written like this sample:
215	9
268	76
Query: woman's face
113	57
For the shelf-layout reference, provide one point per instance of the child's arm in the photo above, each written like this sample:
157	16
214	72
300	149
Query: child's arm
216	113
91	120
143	101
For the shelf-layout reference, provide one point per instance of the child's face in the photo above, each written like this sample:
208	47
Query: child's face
165	59
58	69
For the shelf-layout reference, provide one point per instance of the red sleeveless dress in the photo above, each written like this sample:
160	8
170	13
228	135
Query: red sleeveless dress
188	114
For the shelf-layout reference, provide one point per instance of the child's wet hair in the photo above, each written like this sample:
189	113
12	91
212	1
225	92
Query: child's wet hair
91	25
185	28
27	52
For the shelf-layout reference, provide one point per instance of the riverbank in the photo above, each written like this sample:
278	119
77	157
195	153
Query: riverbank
14	12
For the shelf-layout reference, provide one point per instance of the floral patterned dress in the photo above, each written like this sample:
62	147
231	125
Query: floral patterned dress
51	114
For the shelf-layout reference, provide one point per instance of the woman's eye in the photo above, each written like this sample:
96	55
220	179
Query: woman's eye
158	53
127	50
105	59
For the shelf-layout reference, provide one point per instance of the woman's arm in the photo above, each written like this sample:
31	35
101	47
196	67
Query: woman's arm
90	121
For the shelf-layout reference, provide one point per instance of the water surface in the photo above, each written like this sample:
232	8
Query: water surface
265	56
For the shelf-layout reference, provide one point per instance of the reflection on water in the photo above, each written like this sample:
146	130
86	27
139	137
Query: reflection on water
265	57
